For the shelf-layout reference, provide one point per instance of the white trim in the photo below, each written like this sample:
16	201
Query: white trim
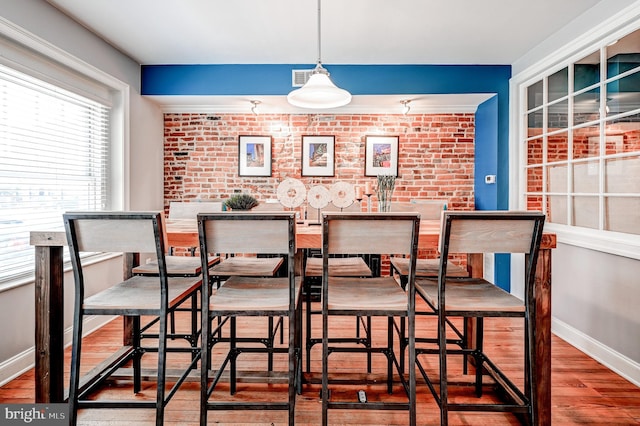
607	242
16	366
18	34
361	104
24	361
615	361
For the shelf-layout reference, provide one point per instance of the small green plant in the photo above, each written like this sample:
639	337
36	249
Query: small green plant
241	202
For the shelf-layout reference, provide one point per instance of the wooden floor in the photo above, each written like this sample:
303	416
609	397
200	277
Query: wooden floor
584	391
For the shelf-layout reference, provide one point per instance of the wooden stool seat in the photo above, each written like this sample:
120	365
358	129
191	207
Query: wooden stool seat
373	295
426	267
472	294
338	267
247	266
141	293
176	266
252	294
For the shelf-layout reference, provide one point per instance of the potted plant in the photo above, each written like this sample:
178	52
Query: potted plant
241	202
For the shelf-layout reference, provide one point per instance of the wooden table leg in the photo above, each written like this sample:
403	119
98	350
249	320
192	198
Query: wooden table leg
49	330
541	362
475	266
542	337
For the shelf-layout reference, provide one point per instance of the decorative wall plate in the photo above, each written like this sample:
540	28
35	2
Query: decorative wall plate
318	197
291	192
342	194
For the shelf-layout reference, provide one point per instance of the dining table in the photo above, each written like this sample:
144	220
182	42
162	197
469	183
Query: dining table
49	307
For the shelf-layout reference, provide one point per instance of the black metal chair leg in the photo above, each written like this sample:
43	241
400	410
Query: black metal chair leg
75	367
479	350
271	334
194	323
137	355
389	355
162	368
233	361
308	329
368	344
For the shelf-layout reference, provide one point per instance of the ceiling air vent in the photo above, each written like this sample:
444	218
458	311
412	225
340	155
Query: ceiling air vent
300	77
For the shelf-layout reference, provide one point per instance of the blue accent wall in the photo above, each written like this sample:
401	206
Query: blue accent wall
487	163
486	154
492	117
269	79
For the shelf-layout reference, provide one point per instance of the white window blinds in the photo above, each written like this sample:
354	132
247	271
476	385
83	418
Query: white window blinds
53	158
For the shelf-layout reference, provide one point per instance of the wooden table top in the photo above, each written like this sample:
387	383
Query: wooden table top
184	233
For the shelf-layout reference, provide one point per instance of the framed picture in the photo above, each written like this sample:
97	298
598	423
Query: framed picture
254	156
381	156
318	155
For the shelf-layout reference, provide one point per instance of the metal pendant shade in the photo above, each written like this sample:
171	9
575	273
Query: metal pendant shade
319	91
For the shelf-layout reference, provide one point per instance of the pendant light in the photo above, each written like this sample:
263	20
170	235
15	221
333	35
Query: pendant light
319	91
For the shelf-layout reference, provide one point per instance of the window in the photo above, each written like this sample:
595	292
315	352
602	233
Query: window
582	141
54	157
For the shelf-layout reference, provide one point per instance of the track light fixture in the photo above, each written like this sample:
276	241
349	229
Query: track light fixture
254	107
406	107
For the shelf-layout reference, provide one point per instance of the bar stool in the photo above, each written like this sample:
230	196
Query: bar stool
379	297
477	299
242	296
160	295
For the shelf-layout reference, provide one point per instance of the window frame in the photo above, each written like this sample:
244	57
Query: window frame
618	243
27	53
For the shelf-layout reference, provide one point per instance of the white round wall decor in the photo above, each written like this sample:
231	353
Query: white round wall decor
342	194
291	192
318	197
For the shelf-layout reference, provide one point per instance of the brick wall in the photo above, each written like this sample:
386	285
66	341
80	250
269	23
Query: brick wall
436	153
435	159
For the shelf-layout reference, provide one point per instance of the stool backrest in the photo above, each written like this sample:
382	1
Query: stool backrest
134	232
490	231
115	232
247	232
369	233
189	210
428	209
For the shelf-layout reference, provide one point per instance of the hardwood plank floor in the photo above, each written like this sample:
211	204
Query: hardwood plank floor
583	391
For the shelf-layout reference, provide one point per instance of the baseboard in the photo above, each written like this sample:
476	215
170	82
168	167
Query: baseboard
16	365
620	364
24	361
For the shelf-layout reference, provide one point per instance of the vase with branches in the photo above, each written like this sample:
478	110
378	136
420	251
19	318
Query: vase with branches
386	185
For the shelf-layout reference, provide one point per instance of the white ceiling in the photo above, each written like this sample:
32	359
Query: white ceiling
353	32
